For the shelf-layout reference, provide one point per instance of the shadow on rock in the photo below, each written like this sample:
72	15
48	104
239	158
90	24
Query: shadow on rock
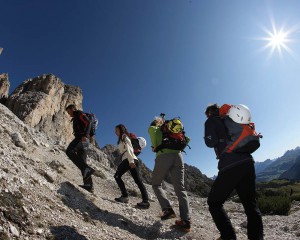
66	232
75	199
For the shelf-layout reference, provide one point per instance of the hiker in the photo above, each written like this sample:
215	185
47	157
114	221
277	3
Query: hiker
236	172
131	163
169	161
77	149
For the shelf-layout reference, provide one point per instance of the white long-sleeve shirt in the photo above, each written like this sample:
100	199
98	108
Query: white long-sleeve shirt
126	149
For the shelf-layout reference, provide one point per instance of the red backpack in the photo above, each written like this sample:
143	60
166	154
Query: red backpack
135	144
241	137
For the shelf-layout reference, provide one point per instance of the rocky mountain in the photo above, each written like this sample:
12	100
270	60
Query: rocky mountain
279	166
292	173
40	198
4	87
261	166
195	181
41	102
214	177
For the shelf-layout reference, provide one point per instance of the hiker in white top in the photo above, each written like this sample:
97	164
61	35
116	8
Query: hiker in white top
126	149
131	163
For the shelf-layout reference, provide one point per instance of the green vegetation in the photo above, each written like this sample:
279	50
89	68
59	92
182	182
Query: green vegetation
295	197
274	205
275	197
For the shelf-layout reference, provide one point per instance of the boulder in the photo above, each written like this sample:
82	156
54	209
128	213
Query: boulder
41	102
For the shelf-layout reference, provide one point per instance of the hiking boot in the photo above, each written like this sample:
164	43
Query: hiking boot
183	225
87	187
88	172
143	204
167	213
122	199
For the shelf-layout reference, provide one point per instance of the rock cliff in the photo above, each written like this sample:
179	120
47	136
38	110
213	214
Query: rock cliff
4	87
41	102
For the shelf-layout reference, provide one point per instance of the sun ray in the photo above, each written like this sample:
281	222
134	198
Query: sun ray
278	39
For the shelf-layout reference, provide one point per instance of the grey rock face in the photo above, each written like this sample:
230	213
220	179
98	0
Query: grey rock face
41	102
4	87
18	140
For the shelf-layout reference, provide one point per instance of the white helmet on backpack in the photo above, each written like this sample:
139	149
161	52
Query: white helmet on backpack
142	142
240	114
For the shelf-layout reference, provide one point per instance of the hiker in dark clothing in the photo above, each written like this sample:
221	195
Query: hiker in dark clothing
236	171
77	149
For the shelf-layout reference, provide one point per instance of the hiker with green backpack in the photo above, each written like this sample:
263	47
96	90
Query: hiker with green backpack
168	141
129	147
229	131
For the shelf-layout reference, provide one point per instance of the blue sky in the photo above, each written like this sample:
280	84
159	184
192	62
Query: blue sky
137	58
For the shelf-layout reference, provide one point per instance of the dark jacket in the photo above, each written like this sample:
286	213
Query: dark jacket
81	125
216	137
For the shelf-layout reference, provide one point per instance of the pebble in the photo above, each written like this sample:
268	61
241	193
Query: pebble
36	142
14	231
40	231
25	210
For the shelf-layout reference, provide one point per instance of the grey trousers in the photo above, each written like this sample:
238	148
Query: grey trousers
171	163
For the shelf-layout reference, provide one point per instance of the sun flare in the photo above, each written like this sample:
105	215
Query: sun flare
278	40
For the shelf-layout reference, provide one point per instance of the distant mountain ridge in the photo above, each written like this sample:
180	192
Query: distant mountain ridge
277	167
293	173
261	166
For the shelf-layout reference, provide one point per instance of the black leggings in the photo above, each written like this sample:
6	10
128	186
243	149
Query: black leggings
135	173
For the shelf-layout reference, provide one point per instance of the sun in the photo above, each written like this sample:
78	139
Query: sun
278	40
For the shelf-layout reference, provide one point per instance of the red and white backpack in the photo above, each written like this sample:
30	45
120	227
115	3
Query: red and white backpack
242	136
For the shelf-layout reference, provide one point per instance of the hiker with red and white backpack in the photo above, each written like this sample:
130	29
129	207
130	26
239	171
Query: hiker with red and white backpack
230	132
130	163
